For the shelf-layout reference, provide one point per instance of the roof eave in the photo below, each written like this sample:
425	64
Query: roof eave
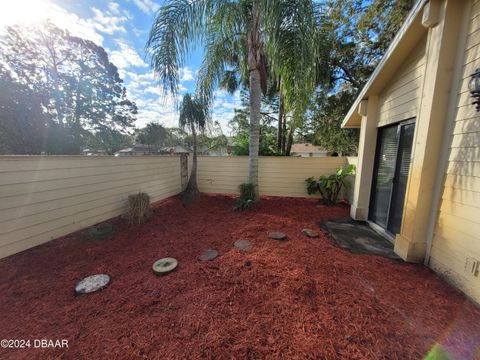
353	118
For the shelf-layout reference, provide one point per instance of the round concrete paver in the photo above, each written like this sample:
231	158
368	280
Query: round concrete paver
164	266
102	231
276	235
208	255
242	245
310	233
92	284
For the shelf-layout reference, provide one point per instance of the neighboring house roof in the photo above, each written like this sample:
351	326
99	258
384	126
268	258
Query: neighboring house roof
144	147
180	150
307	148
406	39
154	149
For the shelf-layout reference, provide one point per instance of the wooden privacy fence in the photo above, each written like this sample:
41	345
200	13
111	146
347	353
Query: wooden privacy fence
44	197
278	176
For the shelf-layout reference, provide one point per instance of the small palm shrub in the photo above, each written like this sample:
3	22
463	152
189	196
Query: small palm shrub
138	208
329	187
247	197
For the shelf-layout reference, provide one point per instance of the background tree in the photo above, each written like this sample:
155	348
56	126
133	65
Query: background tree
80	89
193	118
154	134
361	33
250	34
268	132
23	123
108	140
322	124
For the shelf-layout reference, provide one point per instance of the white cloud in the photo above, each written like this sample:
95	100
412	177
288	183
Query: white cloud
153	90
29	13
114	7
186	74
106	23
125	56
147	6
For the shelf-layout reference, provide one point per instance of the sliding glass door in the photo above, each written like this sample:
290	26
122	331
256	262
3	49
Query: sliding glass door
392	163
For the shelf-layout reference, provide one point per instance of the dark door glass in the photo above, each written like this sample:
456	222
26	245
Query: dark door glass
401	177
384	175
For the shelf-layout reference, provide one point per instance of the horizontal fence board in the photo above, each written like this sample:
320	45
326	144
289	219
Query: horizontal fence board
43	197
278	176
78	173
30	215
36	187
32	198
34	163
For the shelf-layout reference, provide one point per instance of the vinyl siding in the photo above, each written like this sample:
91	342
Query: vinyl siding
278	176
399	100
42	198
457	231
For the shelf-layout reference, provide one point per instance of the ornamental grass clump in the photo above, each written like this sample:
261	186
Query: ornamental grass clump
138	208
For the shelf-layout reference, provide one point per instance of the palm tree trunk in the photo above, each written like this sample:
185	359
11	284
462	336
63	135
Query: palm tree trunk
254	66
191	192
192	183
255	99
288	147
280	124
193	174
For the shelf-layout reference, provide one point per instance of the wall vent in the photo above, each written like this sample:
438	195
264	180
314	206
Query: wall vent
472	266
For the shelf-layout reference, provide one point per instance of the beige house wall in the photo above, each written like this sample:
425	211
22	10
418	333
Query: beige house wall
278	176
456	237
400	99
441	216
42	198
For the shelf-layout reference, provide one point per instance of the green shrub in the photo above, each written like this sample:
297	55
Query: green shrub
329	187
247	197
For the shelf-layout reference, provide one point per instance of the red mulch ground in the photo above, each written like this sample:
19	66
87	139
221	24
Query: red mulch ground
299	299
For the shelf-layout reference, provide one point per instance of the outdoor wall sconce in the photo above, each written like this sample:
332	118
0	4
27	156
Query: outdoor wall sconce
474	87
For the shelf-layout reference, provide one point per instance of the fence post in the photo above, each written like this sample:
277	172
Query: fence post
184	170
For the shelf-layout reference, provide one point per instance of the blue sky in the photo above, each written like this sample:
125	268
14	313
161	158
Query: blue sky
121	27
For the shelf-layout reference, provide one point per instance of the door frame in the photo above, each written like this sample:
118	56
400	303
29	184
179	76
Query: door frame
399	126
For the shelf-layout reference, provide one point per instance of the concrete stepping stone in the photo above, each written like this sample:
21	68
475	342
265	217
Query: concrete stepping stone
242	245
310	233
208	255
102	231
164	266
277	235
92	284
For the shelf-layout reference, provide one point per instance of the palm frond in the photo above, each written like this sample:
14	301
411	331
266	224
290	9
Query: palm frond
293	29
193	112
177	26
224	51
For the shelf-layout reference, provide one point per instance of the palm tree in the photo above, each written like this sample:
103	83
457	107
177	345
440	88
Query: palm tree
247	36
193	117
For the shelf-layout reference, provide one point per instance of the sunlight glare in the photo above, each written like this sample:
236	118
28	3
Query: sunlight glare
26	12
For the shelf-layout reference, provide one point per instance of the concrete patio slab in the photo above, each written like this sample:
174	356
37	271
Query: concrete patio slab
359	238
